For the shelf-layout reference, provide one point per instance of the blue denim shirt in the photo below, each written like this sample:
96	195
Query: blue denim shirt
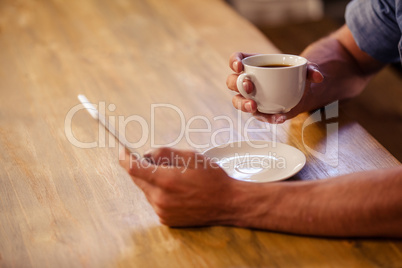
376	26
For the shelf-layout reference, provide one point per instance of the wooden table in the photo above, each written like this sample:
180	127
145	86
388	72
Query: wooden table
165	64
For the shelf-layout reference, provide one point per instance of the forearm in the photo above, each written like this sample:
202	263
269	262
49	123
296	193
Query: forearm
346	69
358	204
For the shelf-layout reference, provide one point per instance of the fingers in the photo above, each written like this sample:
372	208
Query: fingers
231	83
235	61
125	160
243	104
271	118
143	169
313	74
164	168
131	164
175	157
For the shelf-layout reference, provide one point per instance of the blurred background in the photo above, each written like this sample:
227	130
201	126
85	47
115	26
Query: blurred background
293	24
280	12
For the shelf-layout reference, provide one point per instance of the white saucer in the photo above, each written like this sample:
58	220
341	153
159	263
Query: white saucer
258	161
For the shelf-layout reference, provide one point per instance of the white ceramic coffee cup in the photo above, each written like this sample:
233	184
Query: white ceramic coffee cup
276	89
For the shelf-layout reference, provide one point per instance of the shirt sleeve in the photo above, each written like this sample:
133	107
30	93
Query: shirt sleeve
374	28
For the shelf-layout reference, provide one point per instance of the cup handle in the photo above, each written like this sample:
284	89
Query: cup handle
240	87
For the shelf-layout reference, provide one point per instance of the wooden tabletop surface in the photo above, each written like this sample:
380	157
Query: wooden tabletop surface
162	65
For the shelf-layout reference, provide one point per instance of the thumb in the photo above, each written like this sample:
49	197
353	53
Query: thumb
313	74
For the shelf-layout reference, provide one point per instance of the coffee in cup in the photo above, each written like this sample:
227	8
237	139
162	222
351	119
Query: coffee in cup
279	81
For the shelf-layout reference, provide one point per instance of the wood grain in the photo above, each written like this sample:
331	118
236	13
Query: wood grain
65	206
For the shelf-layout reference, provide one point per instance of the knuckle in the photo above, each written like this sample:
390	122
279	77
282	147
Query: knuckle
228	79
167	184
231	82
236	102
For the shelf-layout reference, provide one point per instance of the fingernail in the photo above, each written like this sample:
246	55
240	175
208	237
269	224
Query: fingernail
321	76
248	107
315	69
235	66
245	86
280	119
